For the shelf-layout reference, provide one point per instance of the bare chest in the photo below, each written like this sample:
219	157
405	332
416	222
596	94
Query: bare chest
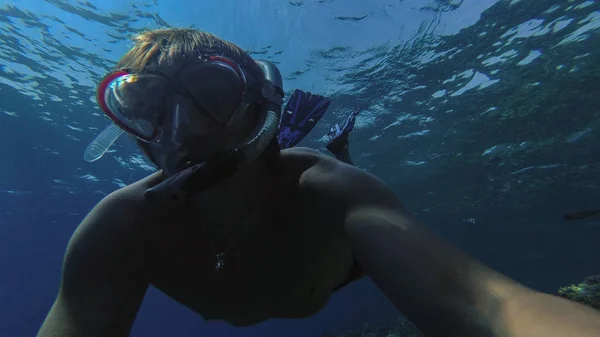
248	257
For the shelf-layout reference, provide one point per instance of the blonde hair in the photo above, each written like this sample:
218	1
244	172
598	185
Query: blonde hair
162	50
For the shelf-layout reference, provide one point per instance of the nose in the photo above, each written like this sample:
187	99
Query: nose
179	122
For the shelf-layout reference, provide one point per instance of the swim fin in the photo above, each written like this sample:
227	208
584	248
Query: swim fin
302	112
338	136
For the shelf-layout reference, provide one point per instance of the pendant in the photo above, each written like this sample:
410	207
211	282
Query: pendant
220	263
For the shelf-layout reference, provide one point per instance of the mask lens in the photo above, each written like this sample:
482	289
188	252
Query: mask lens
217	88
135	102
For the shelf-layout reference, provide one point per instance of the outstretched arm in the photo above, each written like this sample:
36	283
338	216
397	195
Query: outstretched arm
102	283
443	291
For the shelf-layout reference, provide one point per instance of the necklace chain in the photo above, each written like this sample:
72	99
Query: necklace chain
220	256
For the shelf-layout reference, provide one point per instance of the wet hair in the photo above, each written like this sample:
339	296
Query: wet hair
163	50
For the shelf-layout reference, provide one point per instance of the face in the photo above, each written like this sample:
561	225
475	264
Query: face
188	135
204	108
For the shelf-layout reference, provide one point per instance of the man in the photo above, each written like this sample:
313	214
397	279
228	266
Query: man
236	230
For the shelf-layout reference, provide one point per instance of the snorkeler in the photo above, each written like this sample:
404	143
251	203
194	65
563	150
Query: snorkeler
238	230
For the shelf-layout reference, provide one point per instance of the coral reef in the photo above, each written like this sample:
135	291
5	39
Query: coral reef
587	292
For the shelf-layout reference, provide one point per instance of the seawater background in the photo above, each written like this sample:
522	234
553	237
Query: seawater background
482	115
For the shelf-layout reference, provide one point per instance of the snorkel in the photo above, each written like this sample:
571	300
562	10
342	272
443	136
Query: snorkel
196	175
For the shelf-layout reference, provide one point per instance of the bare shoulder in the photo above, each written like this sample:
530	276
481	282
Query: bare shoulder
351	185
110	236
122	210
313	163
103	280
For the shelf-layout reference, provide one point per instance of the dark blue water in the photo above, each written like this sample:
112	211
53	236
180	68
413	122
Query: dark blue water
485	123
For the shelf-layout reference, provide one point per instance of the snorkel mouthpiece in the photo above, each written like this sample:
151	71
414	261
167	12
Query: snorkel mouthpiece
193	179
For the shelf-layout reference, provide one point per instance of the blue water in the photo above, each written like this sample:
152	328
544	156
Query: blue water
483	116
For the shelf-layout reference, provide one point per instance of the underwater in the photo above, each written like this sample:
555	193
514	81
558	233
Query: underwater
482	117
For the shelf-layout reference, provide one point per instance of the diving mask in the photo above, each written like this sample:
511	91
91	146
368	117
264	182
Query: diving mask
209	100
